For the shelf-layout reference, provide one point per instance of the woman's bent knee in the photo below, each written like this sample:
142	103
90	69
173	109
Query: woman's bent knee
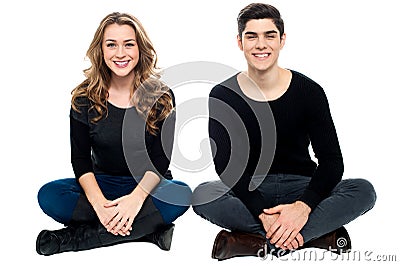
45	196
58	199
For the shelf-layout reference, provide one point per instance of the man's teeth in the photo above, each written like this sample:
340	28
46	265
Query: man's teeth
261	55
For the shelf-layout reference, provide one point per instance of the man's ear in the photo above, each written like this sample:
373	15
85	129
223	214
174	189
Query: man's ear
240	44
283	40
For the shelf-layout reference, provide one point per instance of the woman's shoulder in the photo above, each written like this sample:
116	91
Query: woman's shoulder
81	101
163	88
153	86
79	108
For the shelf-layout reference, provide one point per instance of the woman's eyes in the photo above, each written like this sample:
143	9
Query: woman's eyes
112	45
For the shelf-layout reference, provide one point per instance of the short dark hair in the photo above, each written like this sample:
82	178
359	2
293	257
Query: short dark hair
259	11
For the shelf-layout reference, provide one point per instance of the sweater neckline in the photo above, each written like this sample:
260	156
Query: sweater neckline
118	107
268	101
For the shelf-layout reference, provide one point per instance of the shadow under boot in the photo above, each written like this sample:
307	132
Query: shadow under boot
337	241
89	235
238	244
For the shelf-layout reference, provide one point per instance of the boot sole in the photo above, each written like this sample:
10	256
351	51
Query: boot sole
343	240
38	242
167	239
214	249
39	237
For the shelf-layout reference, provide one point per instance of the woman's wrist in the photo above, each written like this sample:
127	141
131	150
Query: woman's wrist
139	193
97	202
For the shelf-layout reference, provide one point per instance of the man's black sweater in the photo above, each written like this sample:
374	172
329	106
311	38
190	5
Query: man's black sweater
301	116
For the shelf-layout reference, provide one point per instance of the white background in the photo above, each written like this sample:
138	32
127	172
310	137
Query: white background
349	47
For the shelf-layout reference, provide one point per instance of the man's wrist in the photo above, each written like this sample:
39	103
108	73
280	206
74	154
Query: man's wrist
307	208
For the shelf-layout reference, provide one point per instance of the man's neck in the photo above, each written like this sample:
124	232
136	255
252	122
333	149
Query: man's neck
265	85
266	80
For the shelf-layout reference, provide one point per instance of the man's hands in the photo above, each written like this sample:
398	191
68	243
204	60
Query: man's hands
283	224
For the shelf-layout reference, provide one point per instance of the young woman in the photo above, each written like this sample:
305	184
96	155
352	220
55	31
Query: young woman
121	131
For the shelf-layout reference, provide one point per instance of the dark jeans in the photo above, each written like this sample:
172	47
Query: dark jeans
59	198
348	200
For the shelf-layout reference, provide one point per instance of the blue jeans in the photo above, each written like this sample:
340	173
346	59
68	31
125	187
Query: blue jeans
348	200
59	198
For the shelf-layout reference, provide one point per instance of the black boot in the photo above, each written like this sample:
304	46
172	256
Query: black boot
69	238
93	235
83	211
161	238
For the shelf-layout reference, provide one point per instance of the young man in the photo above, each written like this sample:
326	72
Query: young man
272	196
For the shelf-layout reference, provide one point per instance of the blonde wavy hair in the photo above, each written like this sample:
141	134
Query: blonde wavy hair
149	95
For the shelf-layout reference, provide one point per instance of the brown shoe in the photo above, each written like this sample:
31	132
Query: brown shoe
337	241
237	244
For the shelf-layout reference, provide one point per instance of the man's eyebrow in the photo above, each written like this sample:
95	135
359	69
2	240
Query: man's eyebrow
254	33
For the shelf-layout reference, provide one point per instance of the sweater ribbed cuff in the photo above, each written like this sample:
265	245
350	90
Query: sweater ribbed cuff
311	198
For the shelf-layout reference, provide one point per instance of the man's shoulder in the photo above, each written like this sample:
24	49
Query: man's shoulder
303	79
307	88
224	88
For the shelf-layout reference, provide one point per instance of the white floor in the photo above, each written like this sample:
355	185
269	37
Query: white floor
192	243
